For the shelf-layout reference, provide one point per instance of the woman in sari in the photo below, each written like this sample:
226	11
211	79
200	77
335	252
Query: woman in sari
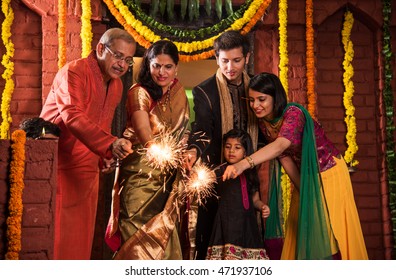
323	221
157	104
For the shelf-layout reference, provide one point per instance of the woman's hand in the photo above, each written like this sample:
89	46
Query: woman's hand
234	170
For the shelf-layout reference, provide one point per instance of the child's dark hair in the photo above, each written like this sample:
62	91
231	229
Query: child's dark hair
244	138
246	142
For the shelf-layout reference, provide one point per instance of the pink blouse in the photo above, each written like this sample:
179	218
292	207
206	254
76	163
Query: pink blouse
292	129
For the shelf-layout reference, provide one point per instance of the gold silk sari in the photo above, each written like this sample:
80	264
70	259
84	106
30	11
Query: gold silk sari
148	198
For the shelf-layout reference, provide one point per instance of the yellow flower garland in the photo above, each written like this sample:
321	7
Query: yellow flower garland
15	205
86	28
310	64
283	70
9	69
283	54
62	7
145	36
349	90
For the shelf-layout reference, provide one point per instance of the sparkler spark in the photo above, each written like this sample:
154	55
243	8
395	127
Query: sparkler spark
165	153
200	184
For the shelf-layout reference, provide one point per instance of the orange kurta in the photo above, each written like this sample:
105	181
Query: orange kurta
79	104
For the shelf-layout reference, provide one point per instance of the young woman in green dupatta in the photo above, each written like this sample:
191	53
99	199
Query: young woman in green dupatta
323	221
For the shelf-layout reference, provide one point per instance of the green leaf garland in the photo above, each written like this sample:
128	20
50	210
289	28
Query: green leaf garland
390	126
184	35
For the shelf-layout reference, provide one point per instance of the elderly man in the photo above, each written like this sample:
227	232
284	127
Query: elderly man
82	101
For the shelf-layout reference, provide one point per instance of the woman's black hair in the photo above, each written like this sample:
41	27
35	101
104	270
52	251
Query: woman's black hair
144	76
270	84
246	142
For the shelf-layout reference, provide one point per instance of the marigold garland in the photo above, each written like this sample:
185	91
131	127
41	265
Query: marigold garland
86	28
62	7
15	205
194	50
349	90
310	61
283	54
9	68
283	76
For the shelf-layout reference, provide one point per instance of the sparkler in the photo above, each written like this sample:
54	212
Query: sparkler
165	153
200	183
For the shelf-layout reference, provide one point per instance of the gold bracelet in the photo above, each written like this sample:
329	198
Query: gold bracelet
250	161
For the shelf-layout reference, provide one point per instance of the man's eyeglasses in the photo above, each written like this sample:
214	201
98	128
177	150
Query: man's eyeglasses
128	60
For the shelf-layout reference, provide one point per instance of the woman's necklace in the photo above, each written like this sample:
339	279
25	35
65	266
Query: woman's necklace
165	100
273	128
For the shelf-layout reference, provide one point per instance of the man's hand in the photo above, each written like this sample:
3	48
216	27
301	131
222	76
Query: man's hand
109	165
121	148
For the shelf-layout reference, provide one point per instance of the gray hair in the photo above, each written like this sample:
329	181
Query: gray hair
116	33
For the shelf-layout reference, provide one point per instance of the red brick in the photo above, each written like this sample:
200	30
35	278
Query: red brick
27	81
372	228
369	202
31	107
41	149
29	69
374	241
36	191
39	170
340	126
367	151
27	94
369	215
31	55
4	191
330	88
365	113
370	100
22	41
39	255
37	215
36	239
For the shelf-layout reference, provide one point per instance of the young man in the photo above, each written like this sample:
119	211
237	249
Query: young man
82	101
220	104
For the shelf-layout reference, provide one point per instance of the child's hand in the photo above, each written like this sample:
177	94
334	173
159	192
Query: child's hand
265	211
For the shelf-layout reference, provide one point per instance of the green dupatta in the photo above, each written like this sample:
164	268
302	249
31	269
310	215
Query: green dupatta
313	240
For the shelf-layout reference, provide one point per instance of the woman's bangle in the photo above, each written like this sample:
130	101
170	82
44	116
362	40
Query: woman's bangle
250	161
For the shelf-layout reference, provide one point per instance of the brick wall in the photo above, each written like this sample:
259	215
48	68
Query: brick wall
38	198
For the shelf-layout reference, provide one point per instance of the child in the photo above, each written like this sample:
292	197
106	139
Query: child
235	232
